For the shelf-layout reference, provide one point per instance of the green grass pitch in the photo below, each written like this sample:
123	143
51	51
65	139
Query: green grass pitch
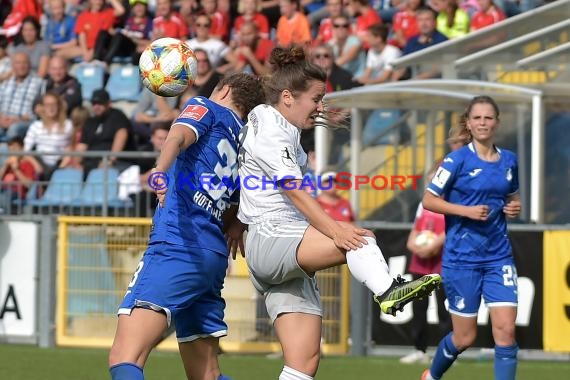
31	363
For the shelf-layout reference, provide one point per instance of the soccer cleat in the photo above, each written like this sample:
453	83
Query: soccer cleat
402	292
415	357
426	375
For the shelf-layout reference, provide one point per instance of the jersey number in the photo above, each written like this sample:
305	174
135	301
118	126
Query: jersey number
509	275
136	274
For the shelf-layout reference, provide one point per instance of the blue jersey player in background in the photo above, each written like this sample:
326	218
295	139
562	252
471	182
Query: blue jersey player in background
476	187
180	277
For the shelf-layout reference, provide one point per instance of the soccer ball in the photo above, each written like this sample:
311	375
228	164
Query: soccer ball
425	238
168	66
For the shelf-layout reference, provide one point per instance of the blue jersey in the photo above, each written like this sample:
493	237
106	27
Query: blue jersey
464	179
199	187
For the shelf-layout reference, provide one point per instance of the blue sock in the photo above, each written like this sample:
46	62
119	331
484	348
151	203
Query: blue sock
445	355
222	377
506	362
126	371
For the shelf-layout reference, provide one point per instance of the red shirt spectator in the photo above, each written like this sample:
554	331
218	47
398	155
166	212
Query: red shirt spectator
170	26
488	15
90	23
259	19
405	21
431	224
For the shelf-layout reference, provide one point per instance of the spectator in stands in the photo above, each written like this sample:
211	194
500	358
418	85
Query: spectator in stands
20	10
219	22
89	23
365	16
249	11
206	80
78	117
452	21
147	197
270	8
405	24
17	96
347	48
168	23
16	175
428	36
325	33
218	52
379	57
52	133
331	201
252	53
5	61
28	41
129	41
152	109
107	130
59	81
488	14
59	31
293	27
338	79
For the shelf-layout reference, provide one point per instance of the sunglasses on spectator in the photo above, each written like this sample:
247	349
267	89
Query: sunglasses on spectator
319	56
202	25
341	26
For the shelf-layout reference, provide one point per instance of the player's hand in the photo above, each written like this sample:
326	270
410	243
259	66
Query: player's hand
512	209
158	185
480	212
349	237
234	237
424	252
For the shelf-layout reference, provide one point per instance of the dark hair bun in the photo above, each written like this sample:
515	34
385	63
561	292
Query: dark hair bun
282	57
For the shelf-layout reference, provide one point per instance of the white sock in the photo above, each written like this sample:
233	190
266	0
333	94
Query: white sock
289	373
367	265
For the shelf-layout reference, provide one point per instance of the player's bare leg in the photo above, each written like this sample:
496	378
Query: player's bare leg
200	358
136	336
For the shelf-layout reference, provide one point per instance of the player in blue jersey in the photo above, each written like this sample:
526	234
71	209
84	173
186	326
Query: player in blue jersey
476	187
180	277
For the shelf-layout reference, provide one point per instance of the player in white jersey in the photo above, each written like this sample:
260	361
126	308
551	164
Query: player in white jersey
289	236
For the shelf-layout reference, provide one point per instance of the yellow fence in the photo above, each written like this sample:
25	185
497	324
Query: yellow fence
96	259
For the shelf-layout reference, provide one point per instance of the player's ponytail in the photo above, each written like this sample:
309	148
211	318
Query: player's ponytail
290	71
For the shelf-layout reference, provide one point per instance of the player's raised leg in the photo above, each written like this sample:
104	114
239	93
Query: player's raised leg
367	265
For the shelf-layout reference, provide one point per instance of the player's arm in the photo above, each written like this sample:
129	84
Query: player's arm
233	230
512	208
345	236
179	138
437	204
441	184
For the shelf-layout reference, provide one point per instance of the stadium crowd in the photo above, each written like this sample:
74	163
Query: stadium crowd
41	102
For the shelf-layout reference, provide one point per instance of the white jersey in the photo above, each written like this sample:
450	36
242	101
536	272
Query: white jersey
270	151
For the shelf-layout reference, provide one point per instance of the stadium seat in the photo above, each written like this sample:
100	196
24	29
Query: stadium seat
90	282
100	183
377	124
124	83
63	187
91	76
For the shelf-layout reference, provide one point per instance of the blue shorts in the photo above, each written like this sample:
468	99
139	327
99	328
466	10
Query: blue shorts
464	287
185	284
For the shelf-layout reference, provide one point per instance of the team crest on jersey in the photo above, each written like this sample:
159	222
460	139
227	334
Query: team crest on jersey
194	112
288	157
509	175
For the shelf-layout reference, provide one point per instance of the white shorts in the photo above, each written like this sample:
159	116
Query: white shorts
271	255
